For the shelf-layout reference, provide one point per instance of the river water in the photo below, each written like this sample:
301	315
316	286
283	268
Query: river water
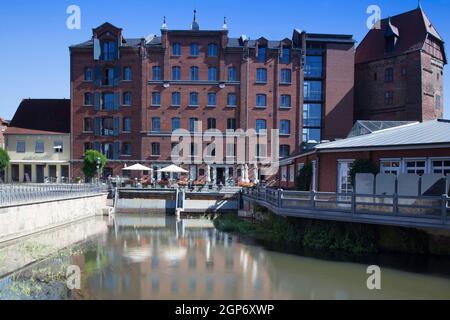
142	257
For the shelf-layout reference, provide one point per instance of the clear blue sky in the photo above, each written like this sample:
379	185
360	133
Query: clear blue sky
34	55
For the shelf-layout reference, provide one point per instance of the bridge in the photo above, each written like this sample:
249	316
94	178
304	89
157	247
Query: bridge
394	210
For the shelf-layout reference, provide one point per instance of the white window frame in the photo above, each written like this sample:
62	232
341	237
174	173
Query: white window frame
399	160
430	163
406	160
283	174
339	185
292	173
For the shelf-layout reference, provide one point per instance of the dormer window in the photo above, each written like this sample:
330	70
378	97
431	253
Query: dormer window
391	36
390	43
262	52
109	50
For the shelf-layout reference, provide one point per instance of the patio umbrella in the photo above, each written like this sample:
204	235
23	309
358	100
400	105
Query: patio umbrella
173	169
137	167
246	179
208	174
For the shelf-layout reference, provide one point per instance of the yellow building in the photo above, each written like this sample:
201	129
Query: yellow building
38	142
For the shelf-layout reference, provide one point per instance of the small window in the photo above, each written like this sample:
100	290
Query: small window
88	99
284	150
127	124
212	50
389	75
194	74
416	167
176	49
261	125
176	73
193	99
108	77
438	102
211	99
127	76
39	147
261	75
389	97
232	100
211	123
193	124
212	74
126	149
285	127
20	146
195	50
261	54
231	124
286	56
176	123
58	146
156	124
156	98
156	73
156	150
261	100
285	101
108	101
232	74
286	76
88	125
176	99
126	99
88	75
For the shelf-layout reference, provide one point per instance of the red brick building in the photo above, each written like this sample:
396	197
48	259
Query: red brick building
128	95
416	147
399	70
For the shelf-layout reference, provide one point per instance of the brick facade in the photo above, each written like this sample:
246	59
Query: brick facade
403	82
156	54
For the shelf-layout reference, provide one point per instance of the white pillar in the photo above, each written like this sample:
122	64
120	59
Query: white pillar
214	175
226	175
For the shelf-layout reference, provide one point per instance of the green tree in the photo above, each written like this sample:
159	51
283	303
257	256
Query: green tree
361	166
304	179
4	160
90	163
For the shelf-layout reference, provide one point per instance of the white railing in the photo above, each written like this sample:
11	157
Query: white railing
20	194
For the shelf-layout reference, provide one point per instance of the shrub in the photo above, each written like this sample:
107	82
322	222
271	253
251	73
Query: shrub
90	163
4	160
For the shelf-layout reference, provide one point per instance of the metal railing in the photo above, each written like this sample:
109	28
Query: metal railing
20	194
430	207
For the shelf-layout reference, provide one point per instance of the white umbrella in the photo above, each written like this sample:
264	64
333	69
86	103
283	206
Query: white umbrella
208	174
173	169
255	174
137	167
246	179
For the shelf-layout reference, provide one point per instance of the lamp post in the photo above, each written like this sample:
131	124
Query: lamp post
98	169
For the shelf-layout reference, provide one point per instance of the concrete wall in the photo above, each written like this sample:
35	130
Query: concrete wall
27	219
162	205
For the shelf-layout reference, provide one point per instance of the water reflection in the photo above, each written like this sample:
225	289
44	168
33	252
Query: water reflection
147	257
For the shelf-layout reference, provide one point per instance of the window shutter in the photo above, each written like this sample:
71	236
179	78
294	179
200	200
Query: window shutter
117	75
116	150
97	101
116	101
118	48
98	76
97	146
97	126
97	49
116	126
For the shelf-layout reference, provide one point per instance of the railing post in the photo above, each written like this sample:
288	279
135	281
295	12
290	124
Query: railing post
395	204
444	208
280	198
313	199
353	202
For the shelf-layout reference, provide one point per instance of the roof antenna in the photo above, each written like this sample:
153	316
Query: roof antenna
225	26
195	25
164	25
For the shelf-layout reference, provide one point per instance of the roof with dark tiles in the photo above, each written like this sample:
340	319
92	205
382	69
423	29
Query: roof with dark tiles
45	115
